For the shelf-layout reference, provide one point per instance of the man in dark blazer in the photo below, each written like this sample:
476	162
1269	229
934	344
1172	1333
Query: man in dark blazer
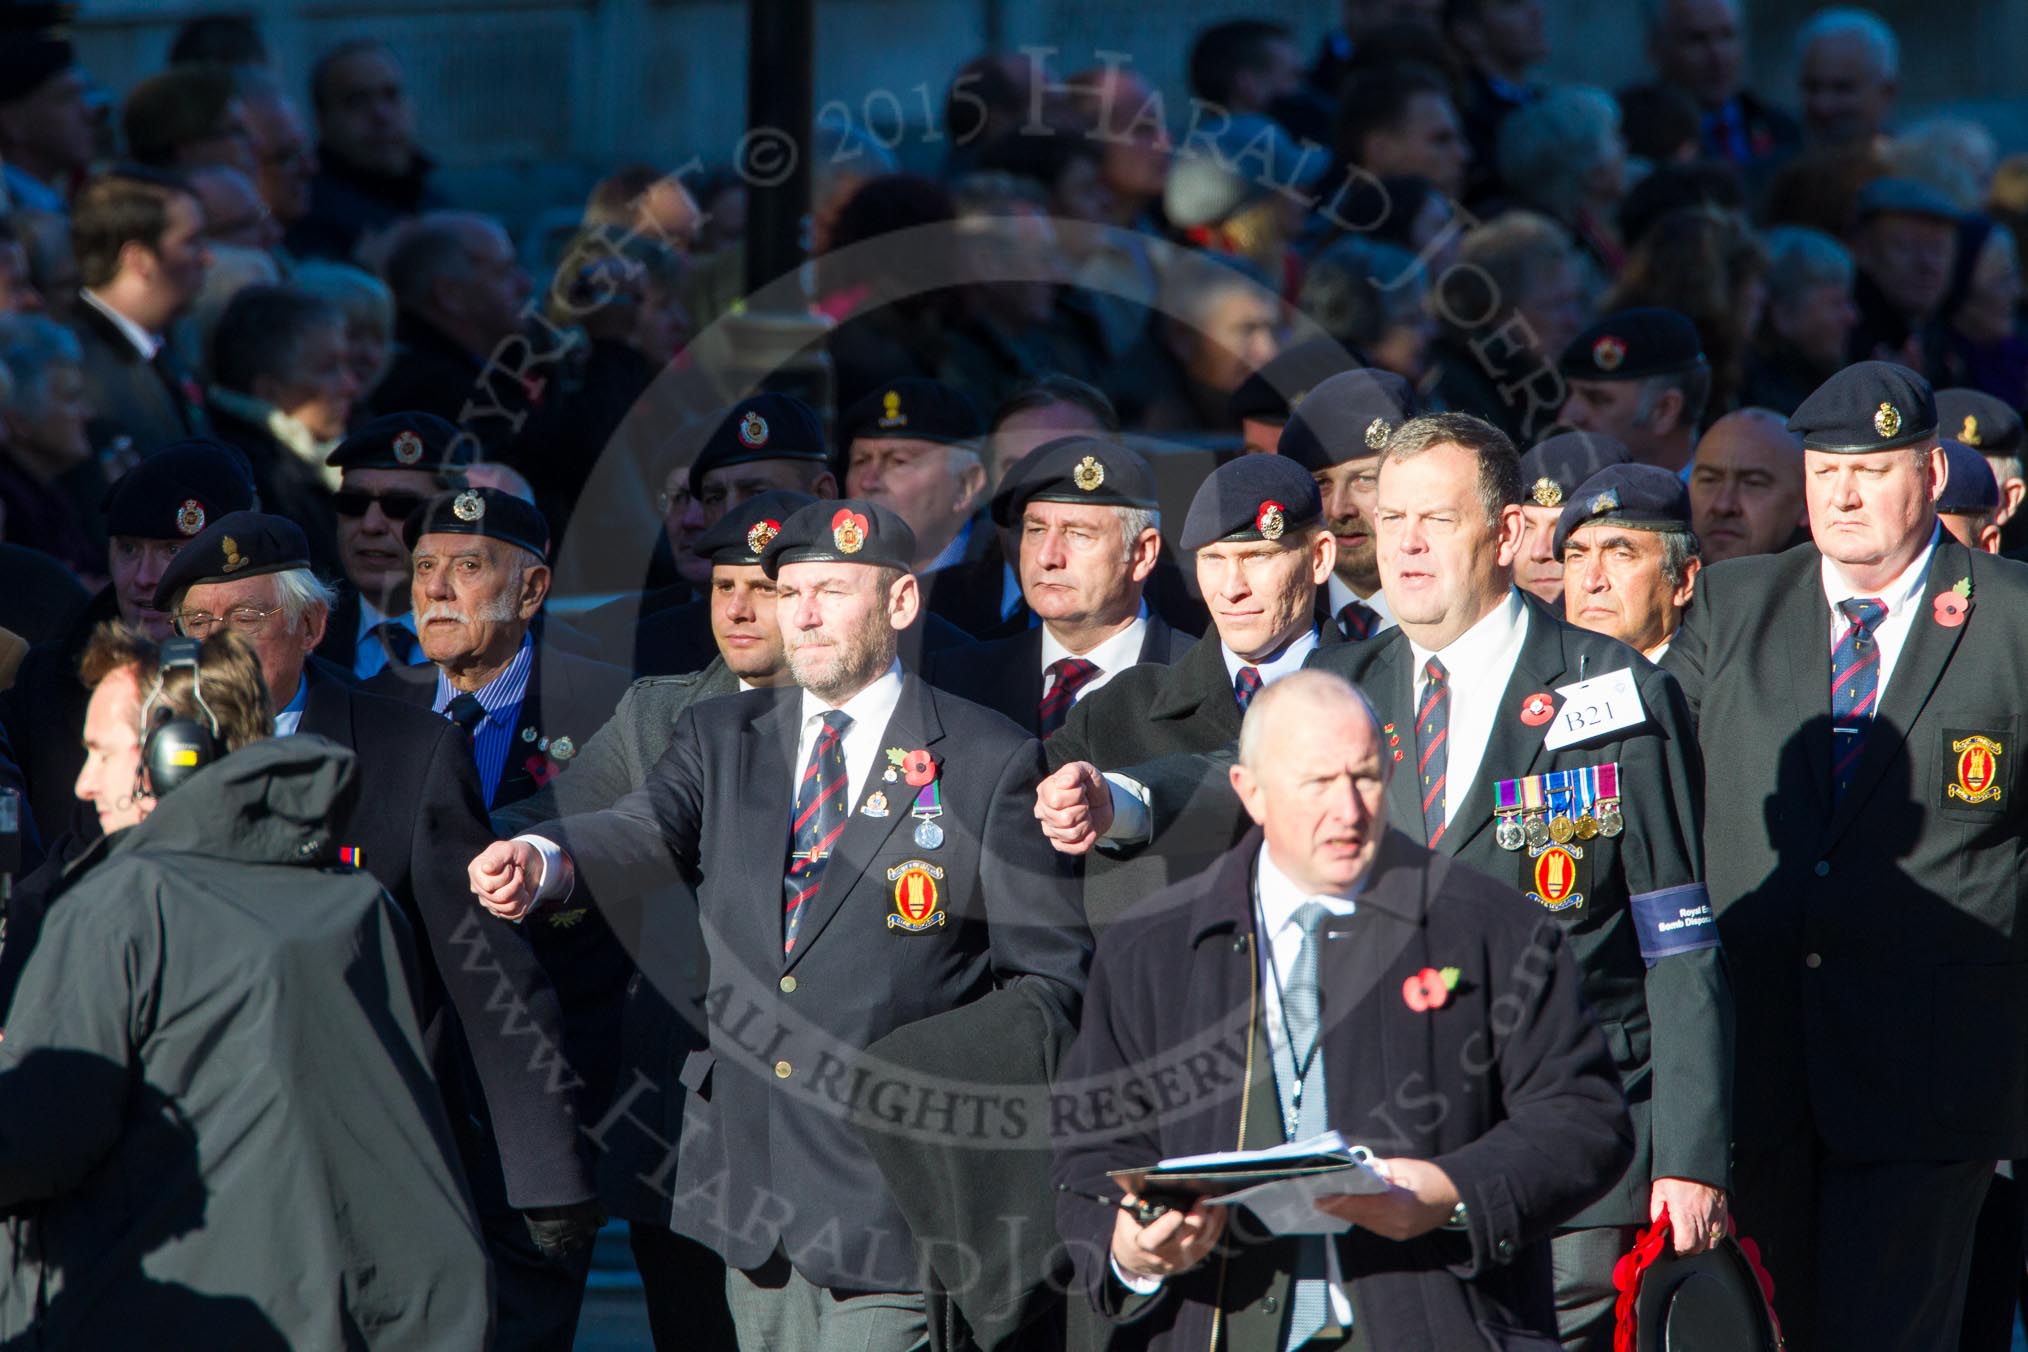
151	514
1448	1036
1478	693
139	238
1262	554
1086	514
420	807
682	1280
1866	845
912	882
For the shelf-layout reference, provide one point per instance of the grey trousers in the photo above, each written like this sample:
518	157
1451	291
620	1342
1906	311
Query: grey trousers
1583	1264
776	1309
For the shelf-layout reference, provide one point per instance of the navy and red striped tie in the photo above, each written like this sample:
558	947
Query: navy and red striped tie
1357	620
1068	676
1855	687
1245	686
820	819
1432	731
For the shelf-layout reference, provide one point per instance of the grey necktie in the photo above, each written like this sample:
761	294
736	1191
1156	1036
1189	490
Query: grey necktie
1307	1114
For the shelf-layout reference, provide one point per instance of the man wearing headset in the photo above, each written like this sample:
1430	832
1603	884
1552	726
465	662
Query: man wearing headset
216	913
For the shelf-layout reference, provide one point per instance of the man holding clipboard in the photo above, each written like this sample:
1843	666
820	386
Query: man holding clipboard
1329	973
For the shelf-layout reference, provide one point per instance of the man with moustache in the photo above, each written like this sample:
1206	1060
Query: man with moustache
1630	560
388	468
1337	432
1550	475
682	1280
1085	515
911	885
151	514
1861	693
1746	486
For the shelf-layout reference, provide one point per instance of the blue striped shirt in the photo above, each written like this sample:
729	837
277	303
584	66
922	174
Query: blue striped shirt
501	697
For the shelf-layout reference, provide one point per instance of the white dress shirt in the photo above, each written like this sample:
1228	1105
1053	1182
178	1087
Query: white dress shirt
869	711
1902	597
145	343
1280	897
1478	663
1132	823
1116	654
1340	594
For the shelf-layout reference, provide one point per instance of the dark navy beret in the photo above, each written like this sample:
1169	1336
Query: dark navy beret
1902	197
1275	391
842	530
236	545
1083	469
490	513
740	536
1868	406
1986	424
914	409
761	427
1971	488
1552	470
416	441
1639	497
1632	345
1348	416
179	490
1256	497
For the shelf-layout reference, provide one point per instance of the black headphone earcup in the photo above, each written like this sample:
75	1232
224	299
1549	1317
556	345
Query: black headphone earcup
176	749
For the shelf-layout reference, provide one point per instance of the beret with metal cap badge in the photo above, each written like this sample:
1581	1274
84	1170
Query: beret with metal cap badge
1869	406
236	545
1348	416
1556	465
1077	469
1970	489
412	440
1638	497
1256	497
179	490
913	408
764	426
490	513
1279	388
745	531
841	530
1987	425
1633	344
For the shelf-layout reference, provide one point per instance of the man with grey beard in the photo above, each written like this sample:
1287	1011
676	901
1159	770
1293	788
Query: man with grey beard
912	882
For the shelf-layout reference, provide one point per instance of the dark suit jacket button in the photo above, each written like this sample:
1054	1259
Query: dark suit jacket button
1505	1248
1823	868
1813	961
1269	1305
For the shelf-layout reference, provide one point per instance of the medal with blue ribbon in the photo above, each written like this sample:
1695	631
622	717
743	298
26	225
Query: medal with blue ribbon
1561	827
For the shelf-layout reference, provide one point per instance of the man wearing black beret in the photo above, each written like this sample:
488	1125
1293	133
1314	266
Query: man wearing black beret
1639	376
682	1280
1629	557
1266	400
1337	433
913	446
911	883
1085	513
388	467
1262	555
1857	700
1994	430
1550	474
765	441
151	513
420	807
1969	506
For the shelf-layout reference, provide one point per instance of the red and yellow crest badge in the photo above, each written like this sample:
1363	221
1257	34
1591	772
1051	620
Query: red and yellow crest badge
1554	874
848	530
762	534
1270	521
916	894
1608	353
1977	770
